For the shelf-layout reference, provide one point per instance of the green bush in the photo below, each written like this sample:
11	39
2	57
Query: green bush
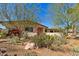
57	43
59	40
2	35
47	40
39	40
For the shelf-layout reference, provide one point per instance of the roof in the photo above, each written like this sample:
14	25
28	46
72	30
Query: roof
25	21
36	23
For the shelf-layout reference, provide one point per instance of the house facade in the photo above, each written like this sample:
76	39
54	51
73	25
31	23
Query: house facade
26	25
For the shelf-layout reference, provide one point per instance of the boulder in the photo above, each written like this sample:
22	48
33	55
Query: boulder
3	50
29	46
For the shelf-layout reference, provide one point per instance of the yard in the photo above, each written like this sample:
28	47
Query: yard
39	30
20	51
13	43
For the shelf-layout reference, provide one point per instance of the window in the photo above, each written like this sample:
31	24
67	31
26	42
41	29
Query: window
45	30
51	31
29	29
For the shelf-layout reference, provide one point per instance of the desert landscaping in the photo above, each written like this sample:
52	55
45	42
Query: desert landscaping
39	29
39	45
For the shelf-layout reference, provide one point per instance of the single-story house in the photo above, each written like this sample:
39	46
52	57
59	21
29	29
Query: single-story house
26	25
33	28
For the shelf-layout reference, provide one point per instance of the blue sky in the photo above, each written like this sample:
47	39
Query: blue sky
45	12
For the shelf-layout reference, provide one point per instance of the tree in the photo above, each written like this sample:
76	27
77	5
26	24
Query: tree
4	11
74	16
18	11
63	16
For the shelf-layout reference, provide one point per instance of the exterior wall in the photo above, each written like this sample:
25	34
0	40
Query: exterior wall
23	24
31	34
35	29
55	33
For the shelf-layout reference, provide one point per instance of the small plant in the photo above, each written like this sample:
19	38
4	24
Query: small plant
75	54
75	49
14	40
24	36
2	35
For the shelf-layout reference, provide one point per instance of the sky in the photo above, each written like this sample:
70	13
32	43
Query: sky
45	12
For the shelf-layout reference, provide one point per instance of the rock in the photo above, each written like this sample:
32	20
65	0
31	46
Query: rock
3	50
29	46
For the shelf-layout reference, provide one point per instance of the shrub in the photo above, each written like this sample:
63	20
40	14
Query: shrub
57	43
59	40
24	36
75	54
47	40
75	49
14	40
2	35
39	40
